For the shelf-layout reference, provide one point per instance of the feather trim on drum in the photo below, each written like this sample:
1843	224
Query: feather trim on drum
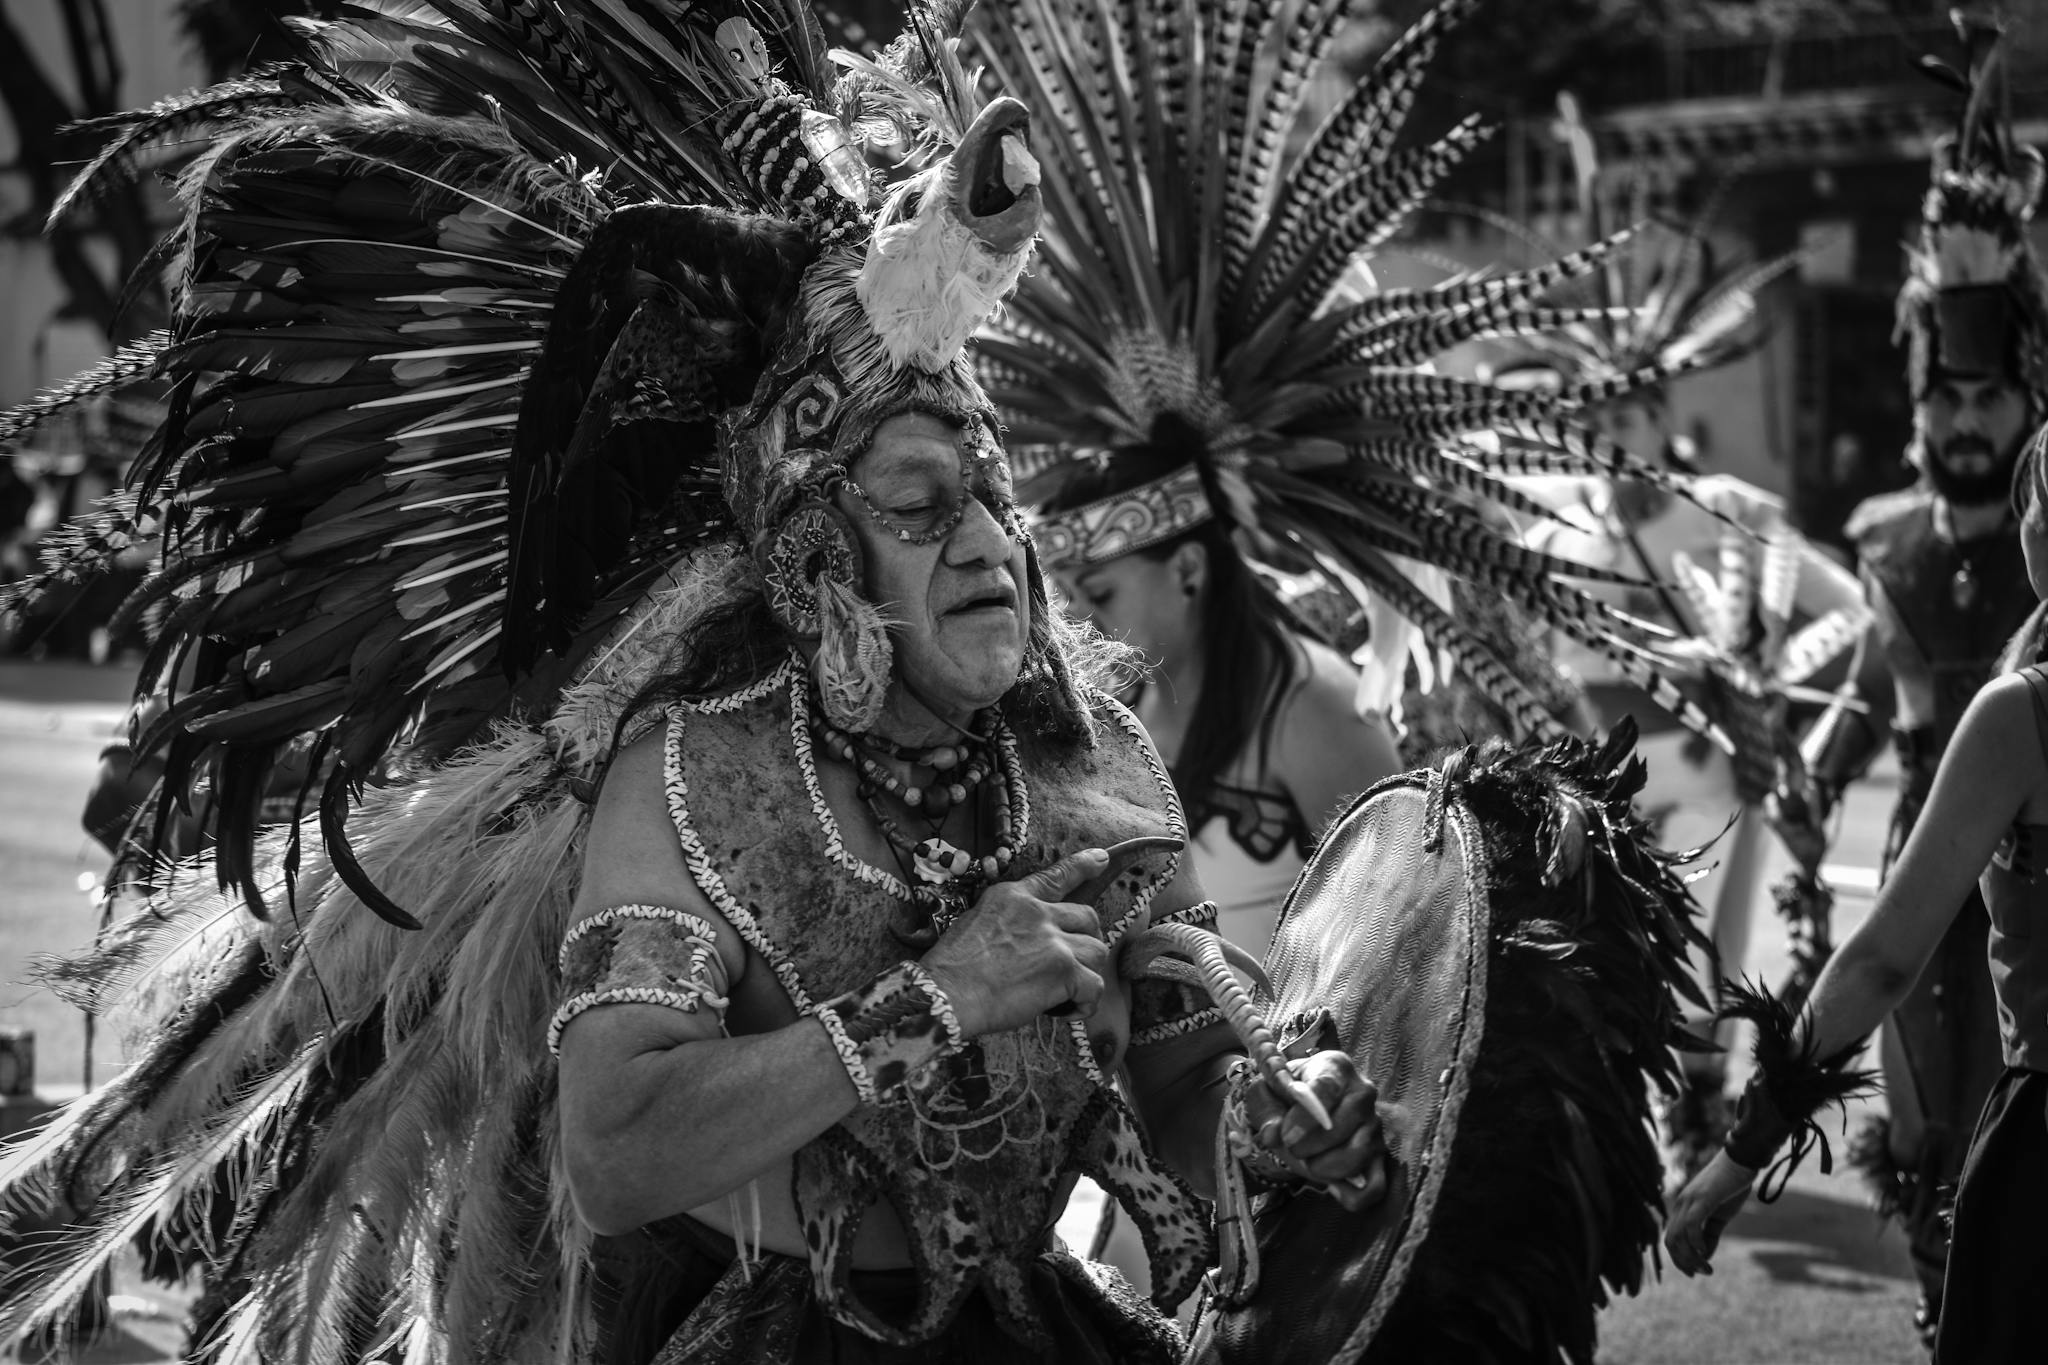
1554	1194
1505	918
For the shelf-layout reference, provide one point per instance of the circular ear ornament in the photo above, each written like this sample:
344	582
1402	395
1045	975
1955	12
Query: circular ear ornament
814	542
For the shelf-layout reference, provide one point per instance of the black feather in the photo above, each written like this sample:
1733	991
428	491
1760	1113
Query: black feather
666	305
1554	1192
334	835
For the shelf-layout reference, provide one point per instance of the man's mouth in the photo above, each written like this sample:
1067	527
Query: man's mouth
1968	447
995	599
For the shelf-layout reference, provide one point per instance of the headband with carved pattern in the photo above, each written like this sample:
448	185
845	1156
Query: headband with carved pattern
1121	523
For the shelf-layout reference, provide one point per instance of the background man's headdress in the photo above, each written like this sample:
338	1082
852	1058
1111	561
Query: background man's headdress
1975	301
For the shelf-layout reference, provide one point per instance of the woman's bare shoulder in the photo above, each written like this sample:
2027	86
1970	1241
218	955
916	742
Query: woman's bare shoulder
1325	682
1325	749
2001	741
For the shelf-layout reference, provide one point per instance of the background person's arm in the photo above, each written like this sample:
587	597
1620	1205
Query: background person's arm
1992	766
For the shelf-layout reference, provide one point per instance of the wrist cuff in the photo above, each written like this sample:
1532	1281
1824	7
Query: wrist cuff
889	1030
1759	1129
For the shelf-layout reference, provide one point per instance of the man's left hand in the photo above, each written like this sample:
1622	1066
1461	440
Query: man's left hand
1349	1158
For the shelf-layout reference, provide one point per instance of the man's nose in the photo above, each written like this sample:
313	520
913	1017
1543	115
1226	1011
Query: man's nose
979	538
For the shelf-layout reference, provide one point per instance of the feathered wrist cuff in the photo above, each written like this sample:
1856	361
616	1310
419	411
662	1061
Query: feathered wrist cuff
1759	1129
1788	1089
890	1029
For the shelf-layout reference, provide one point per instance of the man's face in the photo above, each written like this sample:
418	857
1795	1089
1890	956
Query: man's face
954	592
1970	434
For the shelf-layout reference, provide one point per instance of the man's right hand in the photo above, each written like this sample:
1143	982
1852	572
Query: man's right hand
1023	949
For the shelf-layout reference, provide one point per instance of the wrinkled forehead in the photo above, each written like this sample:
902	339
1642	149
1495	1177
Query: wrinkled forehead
917	444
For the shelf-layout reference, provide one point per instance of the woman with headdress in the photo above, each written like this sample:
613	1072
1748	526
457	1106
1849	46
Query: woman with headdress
1212	394
1252	711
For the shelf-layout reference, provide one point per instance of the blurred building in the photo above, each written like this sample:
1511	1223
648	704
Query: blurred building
120	53
1815	143
63	296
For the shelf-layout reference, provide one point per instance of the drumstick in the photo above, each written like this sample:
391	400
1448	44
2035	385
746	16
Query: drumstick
1236	1003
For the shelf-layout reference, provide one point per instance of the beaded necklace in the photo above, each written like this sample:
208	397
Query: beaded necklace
942	877
934	800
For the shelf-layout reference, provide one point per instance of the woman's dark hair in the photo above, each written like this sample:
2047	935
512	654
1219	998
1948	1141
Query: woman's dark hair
2029	484
1249	664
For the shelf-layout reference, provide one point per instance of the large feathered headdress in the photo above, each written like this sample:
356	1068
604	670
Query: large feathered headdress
486	313
1199	293
1975	301
512	340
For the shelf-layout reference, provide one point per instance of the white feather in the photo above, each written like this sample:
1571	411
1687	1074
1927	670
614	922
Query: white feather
928	283
1784	552
73	1268
1738	588
1703	594
1818	641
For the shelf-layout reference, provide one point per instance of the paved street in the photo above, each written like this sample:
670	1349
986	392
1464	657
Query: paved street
1811	1279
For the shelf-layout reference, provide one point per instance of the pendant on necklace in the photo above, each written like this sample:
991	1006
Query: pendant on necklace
937	861
1963	587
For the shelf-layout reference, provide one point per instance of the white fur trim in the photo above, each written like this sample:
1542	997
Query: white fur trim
928	283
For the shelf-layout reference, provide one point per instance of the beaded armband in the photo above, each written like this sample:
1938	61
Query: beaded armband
890	1029
639	955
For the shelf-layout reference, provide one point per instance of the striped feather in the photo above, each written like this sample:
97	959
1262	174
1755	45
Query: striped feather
1470	655
133	362
1363	211
1449	466
1817	643
1359	131
178	118
1307	44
